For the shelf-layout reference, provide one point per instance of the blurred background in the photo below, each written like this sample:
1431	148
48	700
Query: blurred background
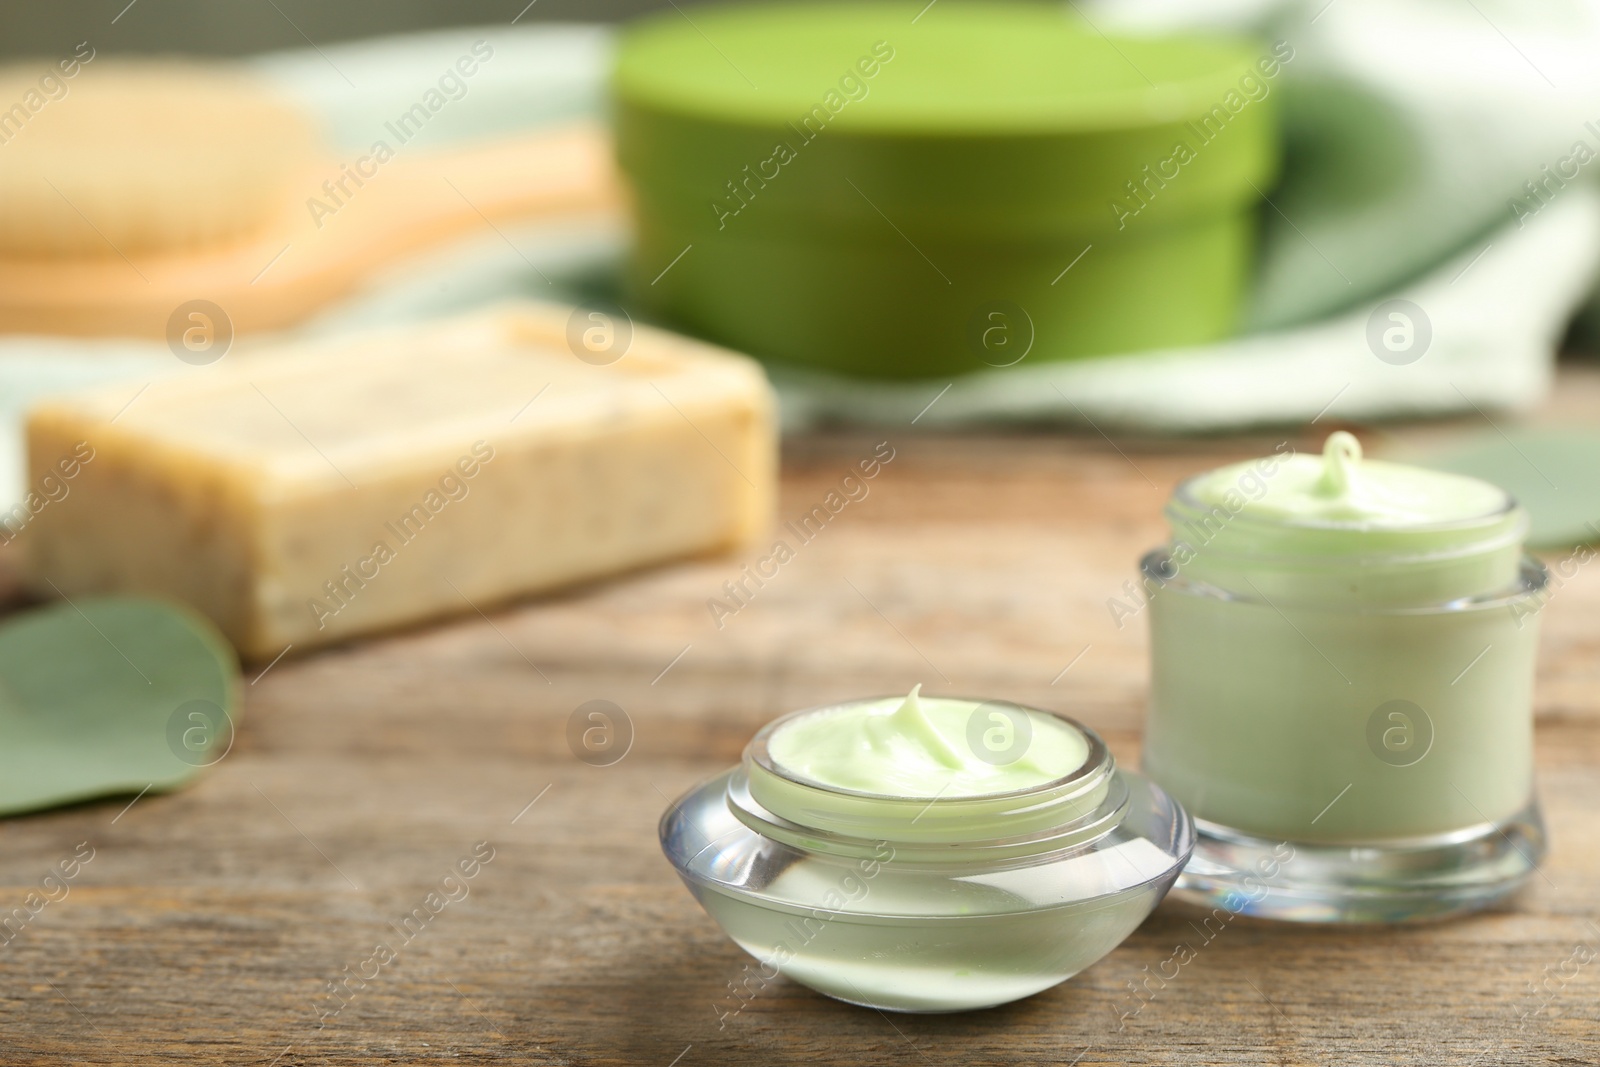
231	29
1392	217
1398	221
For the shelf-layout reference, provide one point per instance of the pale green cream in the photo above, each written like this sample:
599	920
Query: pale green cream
1337	529
1340	486
929	747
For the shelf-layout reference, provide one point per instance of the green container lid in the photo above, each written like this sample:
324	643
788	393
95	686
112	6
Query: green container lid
972	148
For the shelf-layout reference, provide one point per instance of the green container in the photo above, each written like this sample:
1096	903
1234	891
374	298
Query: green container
899	191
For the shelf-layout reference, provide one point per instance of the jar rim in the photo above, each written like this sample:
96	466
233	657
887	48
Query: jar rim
999	851
1532	579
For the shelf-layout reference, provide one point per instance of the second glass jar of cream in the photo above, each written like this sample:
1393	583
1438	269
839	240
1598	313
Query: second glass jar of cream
925	854
1342	660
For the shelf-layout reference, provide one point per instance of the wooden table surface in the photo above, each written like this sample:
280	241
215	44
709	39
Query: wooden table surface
209	924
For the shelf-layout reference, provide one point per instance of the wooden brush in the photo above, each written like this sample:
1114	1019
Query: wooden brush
142	186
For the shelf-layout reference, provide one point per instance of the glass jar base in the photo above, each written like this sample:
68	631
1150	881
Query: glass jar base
1409	881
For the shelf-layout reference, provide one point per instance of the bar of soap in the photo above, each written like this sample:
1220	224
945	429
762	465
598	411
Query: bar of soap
305	496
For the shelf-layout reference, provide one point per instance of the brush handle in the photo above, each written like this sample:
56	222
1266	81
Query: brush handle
321	247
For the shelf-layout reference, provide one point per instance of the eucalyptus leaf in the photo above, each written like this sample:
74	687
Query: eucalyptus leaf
106	696
1554	472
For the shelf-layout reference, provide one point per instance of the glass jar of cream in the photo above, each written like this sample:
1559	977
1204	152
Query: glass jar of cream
1342	659
923	854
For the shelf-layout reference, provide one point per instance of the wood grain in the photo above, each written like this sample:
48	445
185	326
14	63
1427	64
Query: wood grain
208	924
